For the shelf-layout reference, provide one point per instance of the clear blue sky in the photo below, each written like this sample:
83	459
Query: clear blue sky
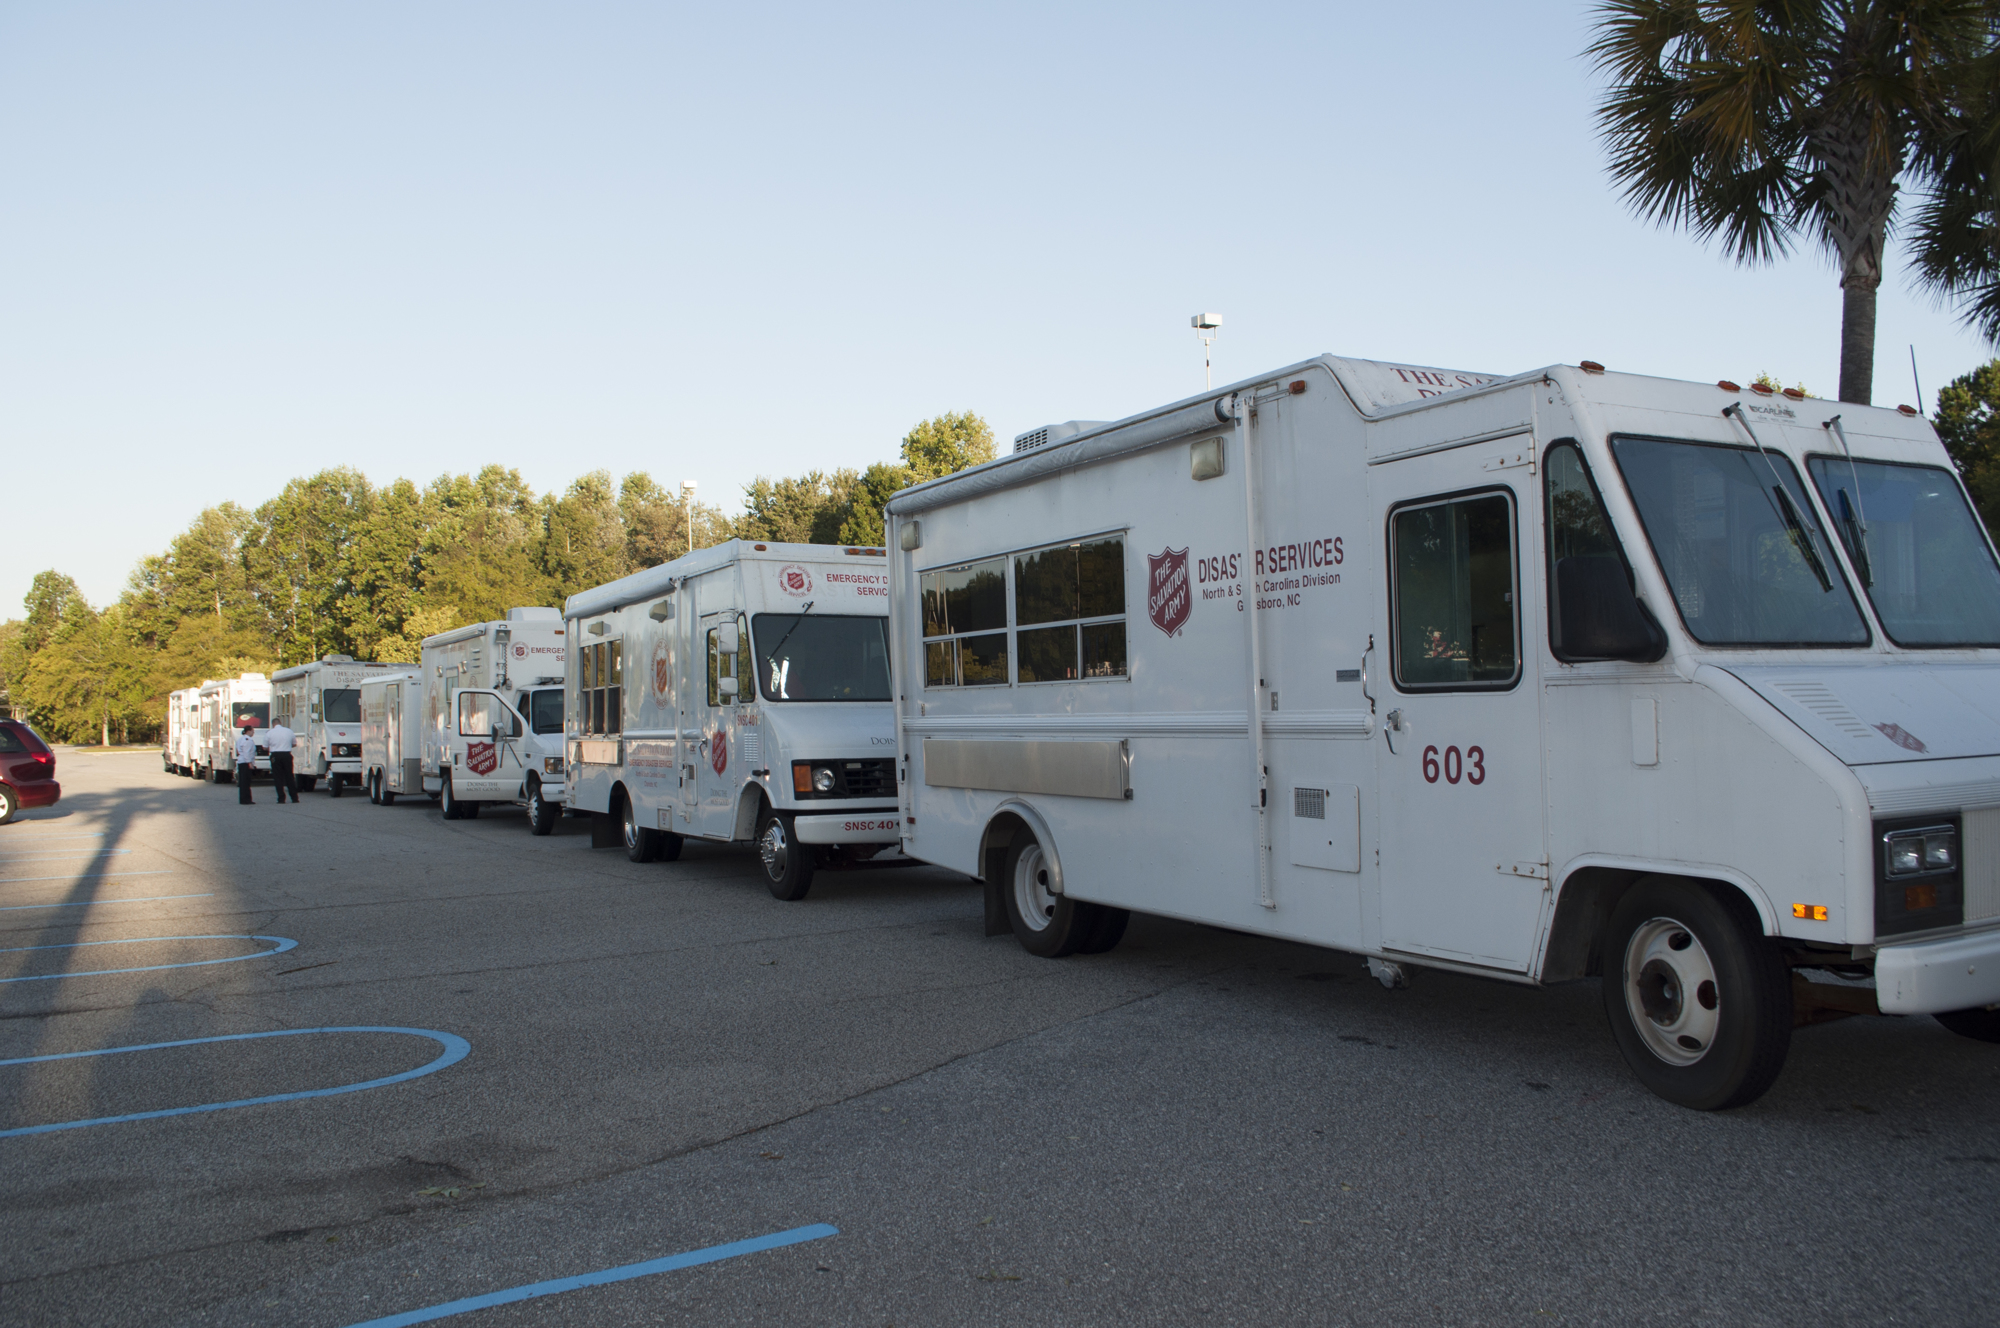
244	242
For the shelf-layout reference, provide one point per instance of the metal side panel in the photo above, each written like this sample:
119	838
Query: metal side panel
1066	769
413	776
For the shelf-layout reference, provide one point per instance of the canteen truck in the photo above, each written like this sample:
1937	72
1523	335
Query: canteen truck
180	751
739	694
392	728
225	705
493	721
1563	674
321	703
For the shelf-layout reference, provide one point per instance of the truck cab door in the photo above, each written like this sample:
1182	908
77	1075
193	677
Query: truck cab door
1459	763
725	648
490	733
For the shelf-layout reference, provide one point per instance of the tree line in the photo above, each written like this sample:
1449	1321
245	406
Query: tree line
336	564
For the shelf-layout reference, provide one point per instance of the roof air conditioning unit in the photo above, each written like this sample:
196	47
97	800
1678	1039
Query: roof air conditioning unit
1054	433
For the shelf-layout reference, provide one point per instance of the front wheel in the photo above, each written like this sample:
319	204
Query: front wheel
9	804
642	844
1046	923
788	865
1979	1025
333	786
542	814
1700	1003
307	783
448	802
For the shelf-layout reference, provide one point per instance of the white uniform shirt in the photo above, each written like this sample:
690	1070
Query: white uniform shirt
280	738
246	747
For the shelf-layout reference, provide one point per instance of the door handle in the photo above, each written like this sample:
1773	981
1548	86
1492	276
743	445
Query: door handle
1367	684
1393	723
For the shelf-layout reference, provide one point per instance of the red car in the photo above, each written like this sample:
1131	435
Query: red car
27	770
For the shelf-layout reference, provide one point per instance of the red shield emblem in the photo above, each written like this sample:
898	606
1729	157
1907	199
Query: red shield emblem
1902	737
1169	597
718	750
480	758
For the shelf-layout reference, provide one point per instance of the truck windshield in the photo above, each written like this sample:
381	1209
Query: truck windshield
1742	552
340	705
1918	550
257	710
545	710
811	657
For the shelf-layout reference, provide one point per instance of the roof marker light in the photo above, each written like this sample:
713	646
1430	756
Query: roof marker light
1590	366
1298	387
1728	386
1907	410
1795	394
1761	389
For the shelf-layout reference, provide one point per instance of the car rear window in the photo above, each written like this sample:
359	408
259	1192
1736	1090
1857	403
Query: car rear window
10	741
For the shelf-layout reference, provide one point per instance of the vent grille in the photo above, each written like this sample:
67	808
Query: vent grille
1980	858
1819	698
1309	803
1031	440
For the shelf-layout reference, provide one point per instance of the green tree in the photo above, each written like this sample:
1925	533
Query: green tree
861	522
657	522
1968	422
385	568
1759	122
805	510
480	545
583	536
946	445
296	554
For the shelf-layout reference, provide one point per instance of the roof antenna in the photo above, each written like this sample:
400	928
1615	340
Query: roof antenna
1208	327
1918	381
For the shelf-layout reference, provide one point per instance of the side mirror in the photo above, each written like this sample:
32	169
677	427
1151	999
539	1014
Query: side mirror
728	639
725	686
1598	616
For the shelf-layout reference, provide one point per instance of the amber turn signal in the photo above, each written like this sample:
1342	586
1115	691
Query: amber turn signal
1810	912
802	778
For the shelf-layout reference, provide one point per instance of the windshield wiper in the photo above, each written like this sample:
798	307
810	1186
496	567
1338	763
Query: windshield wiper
1802	538
771	655
1854	518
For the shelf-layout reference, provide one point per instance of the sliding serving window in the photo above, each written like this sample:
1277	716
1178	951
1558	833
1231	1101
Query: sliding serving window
965	625
1067	619
601	686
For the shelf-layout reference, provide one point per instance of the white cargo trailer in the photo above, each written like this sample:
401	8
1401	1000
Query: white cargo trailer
225	705
740	694
392	728
180	750
1554	675
321	703
493	723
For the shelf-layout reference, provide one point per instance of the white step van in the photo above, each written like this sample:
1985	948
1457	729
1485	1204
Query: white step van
320	703
392	735
224	705
740	694
1554	675
180	750
493	723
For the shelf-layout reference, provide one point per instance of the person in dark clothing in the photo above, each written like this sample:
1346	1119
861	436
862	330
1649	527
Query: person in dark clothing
280	741
246	763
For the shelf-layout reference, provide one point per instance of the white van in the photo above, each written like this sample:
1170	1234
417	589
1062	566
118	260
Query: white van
493	723
321	703
223	706
739	694
1555	675
180	749
392	728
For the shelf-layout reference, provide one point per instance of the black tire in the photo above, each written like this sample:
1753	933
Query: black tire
1979	1025
788	865
641	843
1111	923
374	782
1046	924
1714	993
307	783
333	786
9	804
670	846
448	802
542	814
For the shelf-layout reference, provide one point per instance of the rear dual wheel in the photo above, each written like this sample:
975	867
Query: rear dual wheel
1049	924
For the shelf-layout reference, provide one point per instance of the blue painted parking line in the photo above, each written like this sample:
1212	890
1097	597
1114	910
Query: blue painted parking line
86	903
713	1254
284	943
455	1050
85	876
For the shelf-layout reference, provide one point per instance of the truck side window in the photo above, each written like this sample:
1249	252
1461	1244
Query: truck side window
1578	529
1081	586
477	715
601	686
965	625
1454	593
724	666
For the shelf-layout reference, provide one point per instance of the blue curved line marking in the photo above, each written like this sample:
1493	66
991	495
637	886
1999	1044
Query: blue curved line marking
455	1050
712	1254
284	943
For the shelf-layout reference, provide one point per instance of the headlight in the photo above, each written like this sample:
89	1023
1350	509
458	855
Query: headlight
1918	852
552	765
823	780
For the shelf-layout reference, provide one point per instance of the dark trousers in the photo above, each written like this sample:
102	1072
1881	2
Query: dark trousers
281	776
243	773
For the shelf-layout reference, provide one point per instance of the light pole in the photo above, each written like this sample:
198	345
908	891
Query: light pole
687	501
1207	327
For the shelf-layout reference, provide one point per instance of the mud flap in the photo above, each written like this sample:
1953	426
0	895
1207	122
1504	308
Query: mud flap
606	831
996	902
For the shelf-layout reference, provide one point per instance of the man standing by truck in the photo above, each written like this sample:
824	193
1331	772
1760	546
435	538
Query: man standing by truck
281	740
246	760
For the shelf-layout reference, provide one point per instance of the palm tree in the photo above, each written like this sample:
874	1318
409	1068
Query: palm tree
1761	121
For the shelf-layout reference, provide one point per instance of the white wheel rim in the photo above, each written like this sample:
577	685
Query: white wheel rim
1671	991
773	849
631	828
1032	899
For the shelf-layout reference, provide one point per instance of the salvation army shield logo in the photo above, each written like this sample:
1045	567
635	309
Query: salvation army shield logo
520	652
663	671
1169	597
1902	737
480	758
795	580
718	750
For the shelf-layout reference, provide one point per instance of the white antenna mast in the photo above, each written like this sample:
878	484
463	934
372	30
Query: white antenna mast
1207	327
687	501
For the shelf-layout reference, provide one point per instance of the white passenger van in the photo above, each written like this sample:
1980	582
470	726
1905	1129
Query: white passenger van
392	731
321	703
739	694
224	705
1560	674
180	748
493	724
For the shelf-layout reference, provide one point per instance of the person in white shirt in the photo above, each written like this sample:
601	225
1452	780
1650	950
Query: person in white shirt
280	740
246	761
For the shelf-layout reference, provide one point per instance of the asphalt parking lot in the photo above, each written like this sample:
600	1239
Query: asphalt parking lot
593	1064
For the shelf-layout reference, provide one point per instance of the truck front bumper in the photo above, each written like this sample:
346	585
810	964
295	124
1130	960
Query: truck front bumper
857	828
1928	977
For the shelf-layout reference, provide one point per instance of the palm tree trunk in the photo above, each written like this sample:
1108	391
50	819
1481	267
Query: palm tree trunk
1857	338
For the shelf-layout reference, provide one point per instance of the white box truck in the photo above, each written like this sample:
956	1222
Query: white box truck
739	694
224	705
392	728
320	703
180	749
493	722
1540	677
